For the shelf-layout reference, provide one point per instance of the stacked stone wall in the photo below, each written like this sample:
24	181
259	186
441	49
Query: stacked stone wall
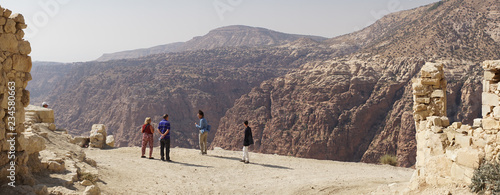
449	154
17	148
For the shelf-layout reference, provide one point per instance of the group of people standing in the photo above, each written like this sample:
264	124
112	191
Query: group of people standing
147	138
164	131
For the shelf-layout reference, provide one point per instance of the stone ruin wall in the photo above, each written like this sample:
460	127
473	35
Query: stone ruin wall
449	154
15	67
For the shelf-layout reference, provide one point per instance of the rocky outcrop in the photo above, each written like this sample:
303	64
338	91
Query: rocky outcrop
55	164
98	136
449	154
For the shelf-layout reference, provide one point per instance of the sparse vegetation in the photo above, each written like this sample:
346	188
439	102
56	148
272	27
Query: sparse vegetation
486	178
389	160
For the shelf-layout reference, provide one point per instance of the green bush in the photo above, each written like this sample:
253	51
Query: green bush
389	160
486	178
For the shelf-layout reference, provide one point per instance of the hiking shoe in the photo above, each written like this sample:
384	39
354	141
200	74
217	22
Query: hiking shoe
169	160
162	159
242	160
143	156
246	162
151	158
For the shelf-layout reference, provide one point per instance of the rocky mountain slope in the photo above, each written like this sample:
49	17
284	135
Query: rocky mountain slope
121	93
46	76
358	107
229	36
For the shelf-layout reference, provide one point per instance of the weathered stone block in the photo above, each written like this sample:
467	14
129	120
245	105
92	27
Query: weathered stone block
438	94
461	174
490	99
435	166
445	122
422	100
110	141
21	63
486	110
478	143
486	86
419	107
489	75
477	122
496	112
6	13
46	115
24	48
469	158
435	82
456	125
463	140
490	123
434	121
10	26
9	43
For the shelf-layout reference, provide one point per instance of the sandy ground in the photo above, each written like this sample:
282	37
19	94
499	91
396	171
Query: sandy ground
220	172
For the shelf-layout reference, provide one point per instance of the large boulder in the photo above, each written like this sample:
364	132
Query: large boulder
98	136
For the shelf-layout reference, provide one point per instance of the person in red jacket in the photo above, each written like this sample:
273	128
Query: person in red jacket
147	137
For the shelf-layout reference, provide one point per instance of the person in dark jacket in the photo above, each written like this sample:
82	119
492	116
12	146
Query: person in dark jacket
247	141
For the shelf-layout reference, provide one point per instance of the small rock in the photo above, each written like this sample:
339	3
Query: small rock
86	183
92	190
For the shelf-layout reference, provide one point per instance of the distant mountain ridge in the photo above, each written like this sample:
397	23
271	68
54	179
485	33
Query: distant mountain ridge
229	36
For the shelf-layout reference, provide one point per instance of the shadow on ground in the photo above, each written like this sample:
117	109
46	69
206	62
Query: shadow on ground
252	163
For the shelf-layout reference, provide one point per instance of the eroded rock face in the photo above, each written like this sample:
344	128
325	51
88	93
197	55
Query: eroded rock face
326	110
130	90
349	110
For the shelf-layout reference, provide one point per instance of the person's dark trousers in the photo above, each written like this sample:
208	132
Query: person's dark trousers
165	143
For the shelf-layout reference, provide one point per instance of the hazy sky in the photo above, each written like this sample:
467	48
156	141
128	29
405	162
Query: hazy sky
82	30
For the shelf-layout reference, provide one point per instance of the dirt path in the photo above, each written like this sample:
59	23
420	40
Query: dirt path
122	170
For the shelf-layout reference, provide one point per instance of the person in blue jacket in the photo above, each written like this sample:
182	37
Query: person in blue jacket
164	130
203	128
